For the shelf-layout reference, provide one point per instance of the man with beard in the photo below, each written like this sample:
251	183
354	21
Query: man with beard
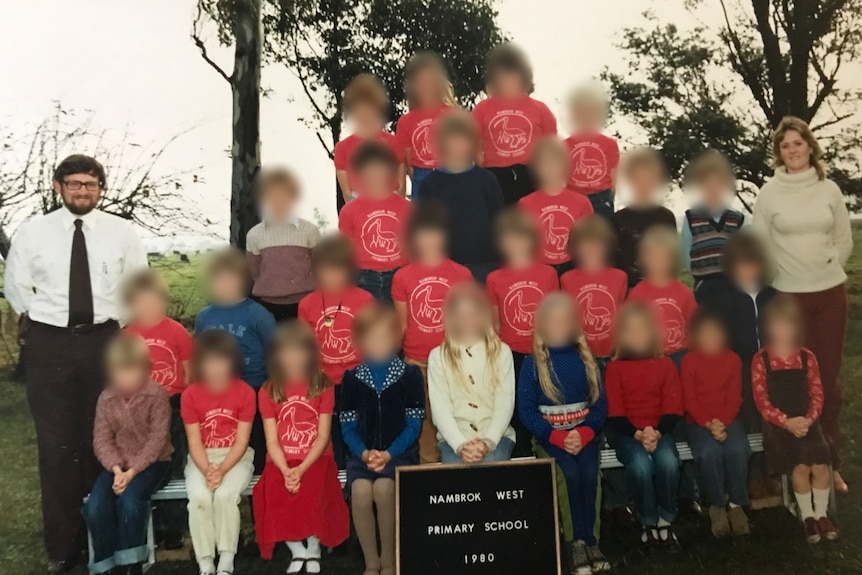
64	273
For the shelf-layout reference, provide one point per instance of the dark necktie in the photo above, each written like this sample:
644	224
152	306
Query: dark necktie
80	289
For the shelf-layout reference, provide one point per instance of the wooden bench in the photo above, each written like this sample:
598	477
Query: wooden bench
175	490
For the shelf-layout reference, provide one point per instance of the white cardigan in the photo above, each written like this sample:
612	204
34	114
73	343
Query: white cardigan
464	412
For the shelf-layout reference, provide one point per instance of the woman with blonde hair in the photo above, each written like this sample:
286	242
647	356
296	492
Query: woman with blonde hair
803	219
561	401
471	382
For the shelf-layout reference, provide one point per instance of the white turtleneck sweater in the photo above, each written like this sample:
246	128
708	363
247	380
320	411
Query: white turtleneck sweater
806	227
463	412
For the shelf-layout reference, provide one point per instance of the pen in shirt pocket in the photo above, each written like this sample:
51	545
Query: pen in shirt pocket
105	268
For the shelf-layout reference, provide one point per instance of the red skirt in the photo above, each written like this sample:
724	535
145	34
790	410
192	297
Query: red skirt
317	509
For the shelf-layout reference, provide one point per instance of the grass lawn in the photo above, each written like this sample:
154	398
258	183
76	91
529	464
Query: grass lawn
776	546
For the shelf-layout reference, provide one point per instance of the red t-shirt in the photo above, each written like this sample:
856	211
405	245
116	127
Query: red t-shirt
331	317
643	390
376	227
297	419
712	386
344	149
416	132
424	289
170	345
673	305
218	414
594	157
599	295
509	128
555	216
516	295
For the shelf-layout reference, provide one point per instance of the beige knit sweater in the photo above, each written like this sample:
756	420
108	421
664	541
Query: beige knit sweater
806	227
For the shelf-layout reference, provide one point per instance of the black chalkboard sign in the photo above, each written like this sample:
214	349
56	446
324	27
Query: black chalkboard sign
498	518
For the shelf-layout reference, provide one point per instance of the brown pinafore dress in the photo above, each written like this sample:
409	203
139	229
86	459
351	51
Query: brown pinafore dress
788	391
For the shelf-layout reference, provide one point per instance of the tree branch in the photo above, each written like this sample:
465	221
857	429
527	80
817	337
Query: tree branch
203	49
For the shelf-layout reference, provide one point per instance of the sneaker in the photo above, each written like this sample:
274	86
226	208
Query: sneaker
739	523
719	522
827	528
812	530
597	559
580	563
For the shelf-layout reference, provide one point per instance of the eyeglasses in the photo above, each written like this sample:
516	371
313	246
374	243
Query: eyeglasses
75	185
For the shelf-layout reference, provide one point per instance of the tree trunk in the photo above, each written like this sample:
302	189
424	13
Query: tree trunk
335	130
245	86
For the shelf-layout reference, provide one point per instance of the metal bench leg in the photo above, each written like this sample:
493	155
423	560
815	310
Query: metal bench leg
787	495
833	504
151	539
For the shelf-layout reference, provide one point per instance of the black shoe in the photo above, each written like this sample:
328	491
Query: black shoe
174	541
690	507
61	566
134	569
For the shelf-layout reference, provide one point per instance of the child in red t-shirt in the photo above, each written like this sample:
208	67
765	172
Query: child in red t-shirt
645	403
298	498
429	94
419	290
672	302
375	220
218	411
555	208
594	156
712	388
511	121
598	288
366	107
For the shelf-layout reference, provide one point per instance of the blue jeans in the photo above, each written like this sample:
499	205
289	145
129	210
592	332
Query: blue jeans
419	174
378	284
603	203
503	452
582	483
653	477
722	467
118	524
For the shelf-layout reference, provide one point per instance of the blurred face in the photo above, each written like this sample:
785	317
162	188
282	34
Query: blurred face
782	333
129	379
148	307
517	248
558	326
458	149
551	171
227	287
714	190
380	343
217	372
80	193
377	179
747	274
429	244
644	183
795	152
332	278
278	204
426	85
468	321
592	254
658	262
294	362
365	119
509	84
710	338
588	116
637	335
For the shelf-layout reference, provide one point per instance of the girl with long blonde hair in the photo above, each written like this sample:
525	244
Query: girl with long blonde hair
561	401
471	382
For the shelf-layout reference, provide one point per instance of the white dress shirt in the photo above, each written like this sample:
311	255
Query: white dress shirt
37	267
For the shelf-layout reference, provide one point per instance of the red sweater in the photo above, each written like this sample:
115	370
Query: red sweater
712	386
643	391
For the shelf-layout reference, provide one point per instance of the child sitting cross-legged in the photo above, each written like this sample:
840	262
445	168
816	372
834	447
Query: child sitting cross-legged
381	411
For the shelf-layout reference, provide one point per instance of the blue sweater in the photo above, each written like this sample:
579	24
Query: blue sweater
252	326
548	421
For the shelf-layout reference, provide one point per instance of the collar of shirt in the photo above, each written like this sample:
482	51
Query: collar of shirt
716	214
68	219
446	171
273	222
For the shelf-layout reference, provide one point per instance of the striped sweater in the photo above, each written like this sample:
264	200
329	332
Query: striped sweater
708	238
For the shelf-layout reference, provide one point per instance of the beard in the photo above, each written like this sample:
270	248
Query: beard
81	206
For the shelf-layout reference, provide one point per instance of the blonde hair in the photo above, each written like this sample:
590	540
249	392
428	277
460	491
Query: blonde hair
550	147
590	93
660	238
432	61
146	280
128	350
542	357
366	88
644	158
707	164
592	228
451	350
628	312
794	124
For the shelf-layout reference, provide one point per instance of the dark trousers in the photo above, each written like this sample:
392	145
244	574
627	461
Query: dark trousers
118	523
480	271
257	441
64	378
173	516
563	268
722	467
281	312
339	450
516	181
603	203
582	482
523	437
826	321
378	284
653	477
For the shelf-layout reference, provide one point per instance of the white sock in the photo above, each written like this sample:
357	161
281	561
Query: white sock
733	505
803	500
206	565
821	502
225	561
297	549
663	523
313	547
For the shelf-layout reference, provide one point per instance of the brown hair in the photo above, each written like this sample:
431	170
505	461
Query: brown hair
745	247
508	58
372	316
231	261
128	350
457	122
705	315
629	311
784	307
549	147
80	164
146	280
373	152
644	158
269	179
794	124
660	237
428	215
427	60
216	343
707	164
366	89
513	221
335	251
593	228
297	334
